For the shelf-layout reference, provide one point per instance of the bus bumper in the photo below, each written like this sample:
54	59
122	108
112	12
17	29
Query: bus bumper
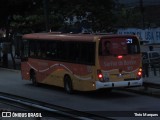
132	83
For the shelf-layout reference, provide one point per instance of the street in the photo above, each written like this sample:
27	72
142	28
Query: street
83	101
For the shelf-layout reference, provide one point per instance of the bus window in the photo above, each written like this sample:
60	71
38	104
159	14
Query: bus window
51	50
133	46
25	48
113	47
87	53
33	49
41	49
119	46
107	48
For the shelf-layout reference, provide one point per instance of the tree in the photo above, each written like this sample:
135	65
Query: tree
9	8
30	13
100	15
25	16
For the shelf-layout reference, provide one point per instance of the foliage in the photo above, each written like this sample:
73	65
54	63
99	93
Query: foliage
97	14
128	17
28	15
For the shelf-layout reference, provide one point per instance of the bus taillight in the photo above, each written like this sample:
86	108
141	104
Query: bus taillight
100	75
139	74
140	69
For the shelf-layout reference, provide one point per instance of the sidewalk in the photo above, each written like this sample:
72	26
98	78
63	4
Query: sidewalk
151	85
11	64
152	78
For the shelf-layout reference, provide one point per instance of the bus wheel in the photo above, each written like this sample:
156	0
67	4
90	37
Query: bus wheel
33	78
68	84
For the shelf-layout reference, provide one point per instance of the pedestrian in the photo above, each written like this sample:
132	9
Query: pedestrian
145	66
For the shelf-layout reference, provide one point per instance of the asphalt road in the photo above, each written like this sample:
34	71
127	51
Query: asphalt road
11	82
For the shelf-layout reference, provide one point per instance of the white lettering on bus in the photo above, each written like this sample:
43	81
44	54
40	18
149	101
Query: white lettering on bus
119	63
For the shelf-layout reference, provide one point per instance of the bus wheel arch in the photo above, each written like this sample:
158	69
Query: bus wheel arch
33	77
68	86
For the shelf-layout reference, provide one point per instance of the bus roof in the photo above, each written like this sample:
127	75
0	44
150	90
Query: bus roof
69	37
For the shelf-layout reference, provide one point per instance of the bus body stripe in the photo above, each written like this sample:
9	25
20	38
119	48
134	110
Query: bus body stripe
82	78
32	66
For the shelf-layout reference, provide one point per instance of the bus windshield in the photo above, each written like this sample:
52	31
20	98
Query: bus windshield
119	46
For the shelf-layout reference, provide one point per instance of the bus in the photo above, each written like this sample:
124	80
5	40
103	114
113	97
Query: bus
79	62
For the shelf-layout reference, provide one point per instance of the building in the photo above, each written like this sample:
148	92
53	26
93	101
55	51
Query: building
150	19
137	2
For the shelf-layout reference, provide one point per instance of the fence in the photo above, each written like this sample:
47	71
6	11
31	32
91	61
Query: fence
152	66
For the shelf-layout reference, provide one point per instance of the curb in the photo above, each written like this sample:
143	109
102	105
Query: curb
11	70
144	91
151	85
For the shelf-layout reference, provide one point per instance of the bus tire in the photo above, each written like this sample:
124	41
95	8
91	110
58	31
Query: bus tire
68	84
33	78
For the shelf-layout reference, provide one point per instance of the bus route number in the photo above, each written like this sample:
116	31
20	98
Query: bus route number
129	41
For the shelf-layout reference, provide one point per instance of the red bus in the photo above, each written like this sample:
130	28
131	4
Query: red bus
82	61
